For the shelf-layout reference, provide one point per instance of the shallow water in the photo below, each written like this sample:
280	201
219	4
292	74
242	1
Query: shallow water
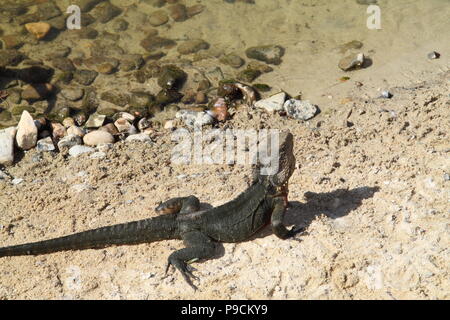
312	33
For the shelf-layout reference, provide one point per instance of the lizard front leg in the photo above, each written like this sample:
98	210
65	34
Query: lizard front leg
198	246
279	209
179	205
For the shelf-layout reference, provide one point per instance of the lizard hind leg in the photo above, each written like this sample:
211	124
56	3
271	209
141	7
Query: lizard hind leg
198	246
179	205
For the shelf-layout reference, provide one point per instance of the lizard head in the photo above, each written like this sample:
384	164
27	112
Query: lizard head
282	160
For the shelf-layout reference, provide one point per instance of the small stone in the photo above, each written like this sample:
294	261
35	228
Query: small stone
178	12
158	18
446	177
95	121
272	104
127	116
58	131
7	146
106	12
123	125
141	137
153	43
38	29
72	94
192	46
171	77
194	118
144	123
27	132
63	63
17	181
248	75
201	97
195	9
77	150
69	141
433	55
68	122
87	5
45	145
233	60
85	77
386	94
74	130
95	138
110	128
351	62
299	109
38	91
270	54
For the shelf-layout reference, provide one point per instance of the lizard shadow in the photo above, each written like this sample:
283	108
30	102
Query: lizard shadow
334	204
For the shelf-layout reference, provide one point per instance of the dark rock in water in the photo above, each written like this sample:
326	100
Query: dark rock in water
58	23
72	94
141	99
10	58
87	33
131	62
228	91
155	3
171	77
5	116
63	77
106	12
85	77
87	5
248	75
366	2
167	96
18	110
63	64
38	91
90	102
48	10
195	9
262	87
120	25
153	43
178	12
87	19
192	46
116	98
158	18
270	54
233	60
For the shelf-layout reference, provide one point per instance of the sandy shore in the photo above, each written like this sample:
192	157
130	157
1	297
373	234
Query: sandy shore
371	188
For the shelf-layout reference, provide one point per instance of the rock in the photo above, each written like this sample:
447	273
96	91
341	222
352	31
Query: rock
120	99
63	63
194	10
10	58
248	75
153	43
141	99
256	65
77	150
386	94
158	18
72	94
87	5
110	128
201	97
95	120
131	62
75	131
194	118
48	11
17	181
232	60
273	103
166	96
68	122
270	54
38	91
351	62
95	138
106	12
123	125
85	77
141	137
7	146
125	115
38	29
58	131
144	123
27	132
178	12
87	33
301	110
171	77
45	145
69	141
192	46
433	55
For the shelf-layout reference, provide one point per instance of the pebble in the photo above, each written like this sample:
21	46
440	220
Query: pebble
141	137
195	9
178	12
192	46
299	109
233	60
69	141
58	131
144	123
123	125
446	177
433	55
85	77
72	94
35	92
386	94
76	131
77	150
27	132
95	120
194	118
351	62
110	128
158	18
38	29
45	145
270	54
7	146
17	181
95	138
273	103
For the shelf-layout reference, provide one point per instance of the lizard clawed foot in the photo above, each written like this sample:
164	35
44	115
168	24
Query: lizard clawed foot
185	270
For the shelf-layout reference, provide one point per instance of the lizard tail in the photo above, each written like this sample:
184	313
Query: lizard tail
143	231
